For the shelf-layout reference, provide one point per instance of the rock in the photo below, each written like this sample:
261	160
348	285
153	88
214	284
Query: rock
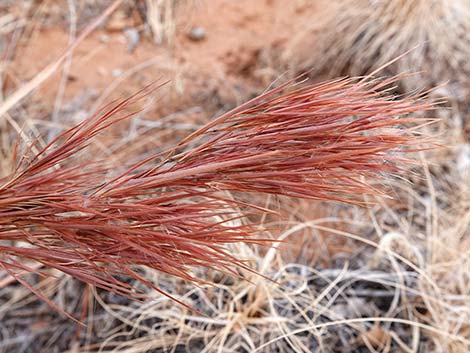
197	34
116	72
133	38
104	38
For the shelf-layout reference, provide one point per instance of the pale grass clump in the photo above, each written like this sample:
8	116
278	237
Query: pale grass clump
355	37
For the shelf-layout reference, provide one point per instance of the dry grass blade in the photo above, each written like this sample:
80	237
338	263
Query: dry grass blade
170	211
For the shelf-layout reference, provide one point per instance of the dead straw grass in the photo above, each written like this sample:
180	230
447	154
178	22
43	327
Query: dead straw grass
355	37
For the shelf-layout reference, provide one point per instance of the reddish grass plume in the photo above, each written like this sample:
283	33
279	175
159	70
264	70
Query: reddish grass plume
172	211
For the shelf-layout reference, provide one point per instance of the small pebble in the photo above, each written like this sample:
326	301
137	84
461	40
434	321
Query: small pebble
197	34
104	38
116	72
133	38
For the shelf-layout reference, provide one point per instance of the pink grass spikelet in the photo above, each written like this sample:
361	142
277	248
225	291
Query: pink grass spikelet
170	212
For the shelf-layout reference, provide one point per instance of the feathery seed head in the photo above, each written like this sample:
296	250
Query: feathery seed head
170	212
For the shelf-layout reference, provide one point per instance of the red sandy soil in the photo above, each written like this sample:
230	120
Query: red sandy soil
238	56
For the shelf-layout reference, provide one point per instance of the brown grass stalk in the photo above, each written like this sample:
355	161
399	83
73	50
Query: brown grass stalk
70	211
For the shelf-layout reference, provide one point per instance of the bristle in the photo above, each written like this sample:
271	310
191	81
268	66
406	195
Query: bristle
88	221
